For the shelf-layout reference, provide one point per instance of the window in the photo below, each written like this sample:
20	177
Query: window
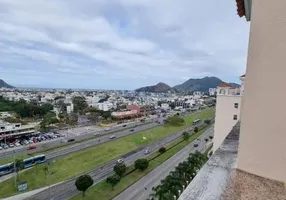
234	117
235	105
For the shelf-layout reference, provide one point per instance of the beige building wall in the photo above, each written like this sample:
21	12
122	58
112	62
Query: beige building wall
224	121
262	149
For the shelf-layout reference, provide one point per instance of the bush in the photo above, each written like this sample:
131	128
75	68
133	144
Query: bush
162	150
141	164
120	169
196	129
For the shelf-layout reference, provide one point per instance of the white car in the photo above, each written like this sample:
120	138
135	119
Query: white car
1	148
120	160
96	134
112	137
17	144
146	151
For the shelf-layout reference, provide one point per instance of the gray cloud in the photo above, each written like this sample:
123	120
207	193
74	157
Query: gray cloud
123	43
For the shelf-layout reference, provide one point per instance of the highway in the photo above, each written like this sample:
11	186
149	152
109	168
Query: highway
67	189
87	139
137	191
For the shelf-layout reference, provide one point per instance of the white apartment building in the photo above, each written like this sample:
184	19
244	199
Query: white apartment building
105	106
228	106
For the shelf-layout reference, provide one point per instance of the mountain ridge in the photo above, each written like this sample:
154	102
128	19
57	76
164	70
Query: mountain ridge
5	85
191	85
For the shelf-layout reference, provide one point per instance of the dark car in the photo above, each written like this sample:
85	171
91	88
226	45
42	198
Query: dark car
131	130
196	145
71	140
124	125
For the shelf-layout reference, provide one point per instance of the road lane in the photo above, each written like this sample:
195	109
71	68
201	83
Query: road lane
137	191
67	189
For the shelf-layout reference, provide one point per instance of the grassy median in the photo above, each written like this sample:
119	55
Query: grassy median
82	161
103	190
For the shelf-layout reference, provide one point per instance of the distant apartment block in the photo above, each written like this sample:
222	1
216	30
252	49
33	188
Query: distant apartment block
228	106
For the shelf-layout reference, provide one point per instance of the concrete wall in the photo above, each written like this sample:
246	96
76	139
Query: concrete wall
224	117
262	149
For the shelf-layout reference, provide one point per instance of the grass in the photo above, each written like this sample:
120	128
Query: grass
82	161
103	190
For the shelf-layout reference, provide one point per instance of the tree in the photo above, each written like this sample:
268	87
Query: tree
207	121
186	135
79	103
83	182
19	164
141	164
162	150
196	129
120	169
113	180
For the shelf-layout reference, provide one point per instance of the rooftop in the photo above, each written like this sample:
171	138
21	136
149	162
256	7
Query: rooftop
219	179
224	85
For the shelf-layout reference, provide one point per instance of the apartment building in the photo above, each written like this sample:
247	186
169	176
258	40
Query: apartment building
228	106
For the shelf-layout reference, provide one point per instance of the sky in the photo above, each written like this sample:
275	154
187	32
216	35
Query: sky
120	44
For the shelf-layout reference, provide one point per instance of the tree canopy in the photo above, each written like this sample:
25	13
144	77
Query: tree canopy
79	103
141	164
175	120
83	182
23	108
120	169
113	180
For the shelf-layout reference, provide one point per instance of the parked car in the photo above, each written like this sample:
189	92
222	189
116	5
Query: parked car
1	148
31	147
196	145
11	145
112	137
120	160
5	146
17	144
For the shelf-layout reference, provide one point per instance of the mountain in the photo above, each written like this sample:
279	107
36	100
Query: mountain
200	84
159	88
4	84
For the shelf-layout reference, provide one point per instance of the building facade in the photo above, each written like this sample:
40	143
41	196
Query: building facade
228	106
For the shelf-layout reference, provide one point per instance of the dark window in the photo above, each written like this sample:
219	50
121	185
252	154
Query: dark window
234	117
235	105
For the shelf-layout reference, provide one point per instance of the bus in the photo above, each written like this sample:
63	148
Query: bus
29	162
196	122
6	169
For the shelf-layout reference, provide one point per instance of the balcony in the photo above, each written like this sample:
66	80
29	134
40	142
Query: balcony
219	178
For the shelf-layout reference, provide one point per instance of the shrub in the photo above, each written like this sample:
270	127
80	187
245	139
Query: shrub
162	150
196	129
141	164
120	169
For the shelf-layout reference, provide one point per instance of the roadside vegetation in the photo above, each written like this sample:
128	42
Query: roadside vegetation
79	162
104	191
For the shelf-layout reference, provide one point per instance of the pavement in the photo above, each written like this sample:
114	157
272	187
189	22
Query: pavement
137	191
67	189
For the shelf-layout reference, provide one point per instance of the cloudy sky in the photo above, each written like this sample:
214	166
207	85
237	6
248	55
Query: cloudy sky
119	44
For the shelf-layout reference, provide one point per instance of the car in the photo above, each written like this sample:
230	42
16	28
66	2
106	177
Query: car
196	145
1	148
112	137
158	122
5	146
107	129
124	125
211	137
146	151
120	160
96	134
131	130
11	145
71	140
31	147
17	144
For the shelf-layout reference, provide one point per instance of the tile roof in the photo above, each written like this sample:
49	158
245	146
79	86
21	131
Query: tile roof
223	84
240	8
